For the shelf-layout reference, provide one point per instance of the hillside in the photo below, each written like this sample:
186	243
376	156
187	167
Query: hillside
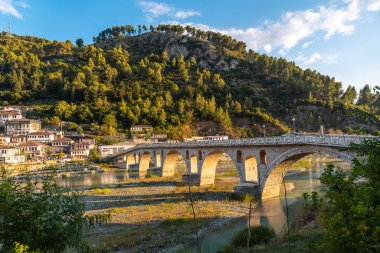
173	77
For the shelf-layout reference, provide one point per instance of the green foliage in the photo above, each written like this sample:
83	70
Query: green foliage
258	235
42	215
94	155
19	248
79	42
124	79
351	210
241	197
102	191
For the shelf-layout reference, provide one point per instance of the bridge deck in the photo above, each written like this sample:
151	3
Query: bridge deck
290	139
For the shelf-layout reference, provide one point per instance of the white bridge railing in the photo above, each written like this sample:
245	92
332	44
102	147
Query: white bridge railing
288	139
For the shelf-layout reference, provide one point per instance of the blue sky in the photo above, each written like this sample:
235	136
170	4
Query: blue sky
340	38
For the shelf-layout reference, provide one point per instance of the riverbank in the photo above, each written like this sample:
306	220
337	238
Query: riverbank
151	215
306	240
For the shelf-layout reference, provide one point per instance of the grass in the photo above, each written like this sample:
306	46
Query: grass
154	217
302	242
305	241
301	164
102	191
240	197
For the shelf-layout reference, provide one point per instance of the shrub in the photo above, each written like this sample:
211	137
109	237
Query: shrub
102	191
241	197
259	235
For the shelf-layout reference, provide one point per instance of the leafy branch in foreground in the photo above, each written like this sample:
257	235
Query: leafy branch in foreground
43	216
350	210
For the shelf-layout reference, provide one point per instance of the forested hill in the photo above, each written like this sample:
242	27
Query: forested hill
177	79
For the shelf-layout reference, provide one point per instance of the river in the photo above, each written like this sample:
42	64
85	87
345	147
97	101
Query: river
272	212
269	212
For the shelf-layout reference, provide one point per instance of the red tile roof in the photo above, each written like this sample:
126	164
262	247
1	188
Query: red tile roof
63	139
31	143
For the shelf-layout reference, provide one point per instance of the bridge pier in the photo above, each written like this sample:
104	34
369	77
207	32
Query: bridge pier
191	178
248	188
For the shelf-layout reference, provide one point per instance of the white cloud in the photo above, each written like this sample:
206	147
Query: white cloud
373	5
186	14
294	27
22	4
330	59
7	7
282	52
154	10
307	44
307	61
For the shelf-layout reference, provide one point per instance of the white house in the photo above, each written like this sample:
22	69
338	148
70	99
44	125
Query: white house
9	114
33	149
22	126
5	139
108	150
9	154
41	136
60	144
81	149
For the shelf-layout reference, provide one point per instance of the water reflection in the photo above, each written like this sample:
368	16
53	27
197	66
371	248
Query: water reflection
272	212
112	176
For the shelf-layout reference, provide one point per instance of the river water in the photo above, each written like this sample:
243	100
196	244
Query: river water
269	212
272	212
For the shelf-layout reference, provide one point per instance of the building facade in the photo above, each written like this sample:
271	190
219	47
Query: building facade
41	136
22	126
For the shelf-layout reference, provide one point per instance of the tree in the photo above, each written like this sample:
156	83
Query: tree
94	155
79	42
365	96
42	215
350	95
351	210
63	110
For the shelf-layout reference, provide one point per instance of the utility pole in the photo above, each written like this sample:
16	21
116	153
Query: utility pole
264	130
294	124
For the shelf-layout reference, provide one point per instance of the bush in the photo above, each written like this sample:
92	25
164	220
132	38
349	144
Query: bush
259	235
102	191
241	197
41	217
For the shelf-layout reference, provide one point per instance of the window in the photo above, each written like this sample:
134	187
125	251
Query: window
238	156
263	157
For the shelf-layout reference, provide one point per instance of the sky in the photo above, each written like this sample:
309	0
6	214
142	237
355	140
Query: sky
340	38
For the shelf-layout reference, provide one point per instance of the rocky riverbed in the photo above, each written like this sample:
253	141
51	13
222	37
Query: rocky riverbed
150	215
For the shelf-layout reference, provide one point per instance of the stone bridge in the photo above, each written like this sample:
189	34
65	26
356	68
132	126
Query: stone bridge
261	162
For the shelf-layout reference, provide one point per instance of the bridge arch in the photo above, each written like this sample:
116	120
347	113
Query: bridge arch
271	181
208	169
170	162
193	164
251	169
130	159
144	163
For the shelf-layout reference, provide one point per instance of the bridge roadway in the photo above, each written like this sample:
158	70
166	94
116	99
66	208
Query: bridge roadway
261	162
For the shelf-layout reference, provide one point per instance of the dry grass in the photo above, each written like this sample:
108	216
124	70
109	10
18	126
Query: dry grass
148	214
